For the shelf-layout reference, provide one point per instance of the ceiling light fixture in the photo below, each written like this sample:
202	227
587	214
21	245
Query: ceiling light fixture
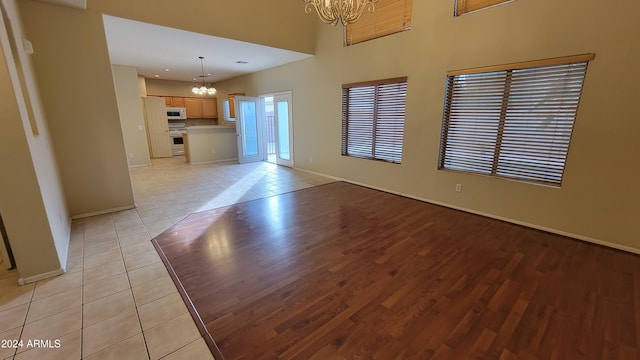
343	11
204	89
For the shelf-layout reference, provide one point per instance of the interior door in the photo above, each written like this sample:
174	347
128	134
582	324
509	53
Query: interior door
249	129
157	126
283	128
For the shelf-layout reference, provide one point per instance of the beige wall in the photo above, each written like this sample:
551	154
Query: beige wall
283	25
598	200
134	131
74	76
142	86
31	197
211	144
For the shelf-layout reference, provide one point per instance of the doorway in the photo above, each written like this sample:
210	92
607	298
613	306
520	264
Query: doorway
278	126
264	127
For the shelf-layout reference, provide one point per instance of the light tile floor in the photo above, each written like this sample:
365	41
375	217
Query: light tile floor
116	300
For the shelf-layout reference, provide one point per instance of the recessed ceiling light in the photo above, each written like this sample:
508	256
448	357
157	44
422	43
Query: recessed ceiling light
167	70
156	75
241	62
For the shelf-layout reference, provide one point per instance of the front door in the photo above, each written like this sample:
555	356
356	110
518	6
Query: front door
249	129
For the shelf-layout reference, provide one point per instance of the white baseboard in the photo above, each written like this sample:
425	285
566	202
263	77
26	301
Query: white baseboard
328	176
139	166
102	212
212	161
517	222
30	279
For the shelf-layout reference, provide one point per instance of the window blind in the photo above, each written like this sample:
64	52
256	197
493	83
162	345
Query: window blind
465	6
373	119
512	121
389	17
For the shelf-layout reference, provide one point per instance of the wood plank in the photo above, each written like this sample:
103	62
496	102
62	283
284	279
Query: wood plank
340	271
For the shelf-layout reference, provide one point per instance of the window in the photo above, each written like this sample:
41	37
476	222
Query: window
227	113
465	6
512	121
373	119
389	17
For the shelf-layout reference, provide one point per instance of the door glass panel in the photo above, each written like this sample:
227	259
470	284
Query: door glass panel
283	130
250	128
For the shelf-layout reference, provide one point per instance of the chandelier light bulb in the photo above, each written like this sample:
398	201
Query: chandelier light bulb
339	11
204	89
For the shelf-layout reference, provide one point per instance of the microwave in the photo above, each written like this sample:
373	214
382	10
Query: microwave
176	113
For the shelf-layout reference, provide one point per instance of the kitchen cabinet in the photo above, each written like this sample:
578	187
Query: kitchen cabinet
232	104
201	108
194	108
209	109
177	102
174	101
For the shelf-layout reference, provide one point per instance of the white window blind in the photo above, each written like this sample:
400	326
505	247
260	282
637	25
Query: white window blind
373	119
465	6
513	121
389	17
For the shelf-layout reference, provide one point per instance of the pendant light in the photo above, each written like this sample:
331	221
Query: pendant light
203	89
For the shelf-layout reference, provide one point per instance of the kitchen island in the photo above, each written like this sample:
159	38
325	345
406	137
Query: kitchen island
210	143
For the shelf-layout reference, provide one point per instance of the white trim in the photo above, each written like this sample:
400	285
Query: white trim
139	166
517	222
212	161
50	274
102	212
325	175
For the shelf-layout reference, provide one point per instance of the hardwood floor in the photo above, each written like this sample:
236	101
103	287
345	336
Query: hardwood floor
340	271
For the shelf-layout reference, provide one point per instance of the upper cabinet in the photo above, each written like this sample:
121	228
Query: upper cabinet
232	104
201	108
194	108
197	108
209	108
178	102
174	101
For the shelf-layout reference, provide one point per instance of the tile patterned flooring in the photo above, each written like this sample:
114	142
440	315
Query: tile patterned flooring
116	300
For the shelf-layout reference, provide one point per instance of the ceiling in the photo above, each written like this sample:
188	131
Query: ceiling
172	54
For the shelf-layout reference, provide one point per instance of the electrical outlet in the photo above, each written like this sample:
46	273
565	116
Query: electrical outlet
458	187
131	155
213	151
311	160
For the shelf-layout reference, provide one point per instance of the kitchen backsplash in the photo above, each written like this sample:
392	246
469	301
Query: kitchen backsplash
196	122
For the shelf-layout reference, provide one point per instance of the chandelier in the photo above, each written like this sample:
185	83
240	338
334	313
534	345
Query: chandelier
343	11
203	89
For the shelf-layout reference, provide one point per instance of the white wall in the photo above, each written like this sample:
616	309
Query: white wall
131	113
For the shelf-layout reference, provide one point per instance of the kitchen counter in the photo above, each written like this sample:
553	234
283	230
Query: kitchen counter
210	127
210	143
